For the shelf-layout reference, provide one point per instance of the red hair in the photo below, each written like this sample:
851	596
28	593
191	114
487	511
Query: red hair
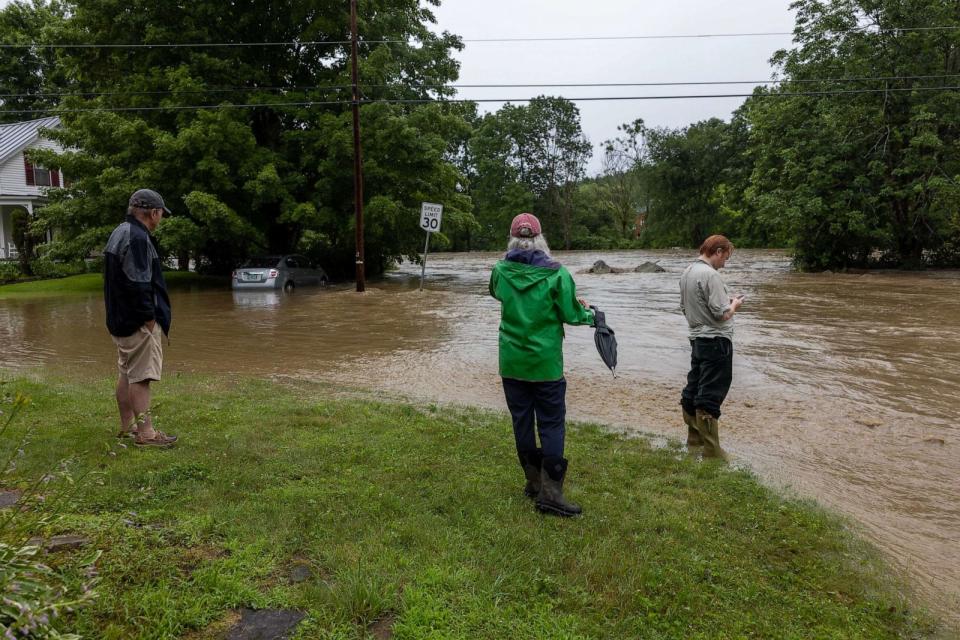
711	244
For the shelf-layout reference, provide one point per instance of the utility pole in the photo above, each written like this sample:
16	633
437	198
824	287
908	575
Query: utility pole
357	162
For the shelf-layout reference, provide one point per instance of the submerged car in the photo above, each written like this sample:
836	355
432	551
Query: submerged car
278	272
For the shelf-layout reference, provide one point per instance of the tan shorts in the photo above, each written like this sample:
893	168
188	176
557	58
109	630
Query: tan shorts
140	356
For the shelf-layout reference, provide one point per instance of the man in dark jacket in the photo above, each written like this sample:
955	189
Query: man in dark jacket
537	296
138	310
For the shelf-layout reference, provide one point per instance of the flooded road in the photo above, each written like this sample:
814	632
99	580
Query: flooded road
846	387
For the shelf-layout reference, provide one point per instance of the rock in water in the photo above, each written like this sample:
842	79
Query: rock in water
600	267
649	267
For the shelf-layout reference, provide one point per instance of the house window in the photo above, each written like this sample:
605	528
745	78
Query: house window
40	177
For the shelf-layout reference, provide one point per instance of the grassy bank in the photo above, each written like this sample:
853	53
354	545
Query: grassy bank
93	282
412	519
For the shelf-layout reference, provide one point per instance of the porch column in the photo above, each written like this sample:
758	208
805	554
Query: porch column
3	236
29	217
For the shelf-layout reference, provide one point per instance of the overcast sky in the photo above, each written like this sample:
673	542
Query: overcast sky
668	60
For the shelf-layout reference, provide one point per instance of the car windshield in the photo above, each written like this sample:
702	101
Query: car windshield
262	262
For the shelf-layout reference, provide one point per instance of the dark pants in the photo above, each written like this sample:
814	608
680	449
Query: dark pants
711	372
545	401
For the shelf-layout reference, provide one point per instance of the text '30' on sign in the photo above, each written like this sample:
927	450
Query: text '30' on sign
430	215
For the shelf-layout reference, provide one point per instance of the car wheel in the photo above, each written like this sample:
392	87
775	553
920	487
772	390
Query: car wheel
288	286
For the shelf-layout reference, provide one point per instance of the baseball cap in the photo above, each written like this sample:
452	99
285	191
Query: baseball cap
147	199
525	225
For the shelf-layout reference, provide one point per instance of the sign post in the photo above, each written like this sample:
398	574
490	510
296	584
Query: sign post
430	216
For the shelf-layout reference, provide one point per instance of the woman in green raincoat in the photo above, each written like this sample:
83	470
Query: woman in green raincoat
537	296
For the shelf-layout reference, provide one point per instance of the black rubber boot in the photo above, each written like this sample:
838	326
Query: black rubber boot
551	498
694	439
531	462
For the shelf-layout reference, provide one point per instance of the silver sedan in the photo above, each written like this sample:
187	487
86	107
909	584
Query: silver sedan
278	272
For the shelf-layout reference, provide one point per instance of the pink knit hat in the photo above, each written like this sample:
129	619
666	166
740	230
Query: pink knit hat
525	225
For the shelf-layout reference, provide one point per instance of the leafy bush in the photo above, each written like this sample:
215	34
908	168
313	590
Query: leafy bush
23	238
948	253
9	271
93	265
47	268
34	595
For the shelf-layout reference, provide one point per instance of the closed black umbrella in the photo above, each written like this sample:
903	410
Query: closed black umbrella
605	339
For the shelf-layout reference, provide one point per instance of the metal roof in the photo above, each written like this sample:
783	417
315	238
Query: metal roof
17	135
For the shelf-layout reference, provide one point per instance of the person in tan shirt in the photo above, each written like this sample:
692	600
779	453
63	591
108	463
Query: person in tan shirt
709	307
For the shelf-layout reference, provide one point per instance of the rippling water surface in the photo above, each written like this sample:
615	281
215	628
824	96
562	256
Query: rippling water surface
846	386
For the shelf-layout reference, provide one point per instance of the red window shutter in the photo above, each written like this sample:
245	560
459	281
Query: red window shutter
54	178
28	168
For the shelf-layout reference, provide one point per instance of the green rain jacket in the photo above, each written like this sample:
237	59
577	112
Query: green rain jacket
537	297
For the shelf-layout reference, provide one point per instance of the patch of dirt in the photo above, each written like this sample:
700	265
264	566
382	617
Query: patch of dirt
215	630
296	570
300	572
192	558
382	629
265	624
57	544
9	498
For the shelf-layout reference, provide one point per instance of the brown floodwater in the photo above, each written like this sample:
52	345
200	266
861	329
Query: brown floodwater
846	386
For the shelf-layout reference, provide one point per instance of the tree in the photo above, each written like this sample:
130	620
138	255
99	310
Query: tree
686	168
279	174
28	75
529	157
406	162
499	186
558	154
868	177
620	191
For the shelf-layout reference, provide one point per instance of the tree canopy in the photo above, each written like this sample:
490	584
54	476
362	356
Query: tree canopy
252	145
851	159
861	178
30	77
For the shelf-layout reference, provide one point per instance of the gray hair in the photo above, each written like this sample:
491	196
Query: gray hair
536	243
135	211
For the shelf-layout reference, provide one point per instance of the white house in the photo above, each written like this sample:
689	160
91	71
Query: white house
22	185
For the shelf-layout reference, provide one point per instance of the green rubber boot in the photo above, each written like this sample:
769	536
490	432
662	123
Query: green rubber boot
709	428
694	439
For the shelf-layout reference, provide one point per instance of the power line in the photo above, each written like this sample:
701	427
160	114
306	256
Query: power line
866	30
785	94
310	103
679	84
90	94
323	89
181	45
195	107
174	45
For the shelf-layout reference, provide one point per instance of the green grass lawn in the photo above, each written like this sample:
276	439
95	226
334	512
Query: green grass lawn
93	282
413	517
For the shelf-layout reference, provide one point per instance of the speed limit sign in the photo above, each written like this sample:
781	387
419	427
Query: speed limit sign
430	215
